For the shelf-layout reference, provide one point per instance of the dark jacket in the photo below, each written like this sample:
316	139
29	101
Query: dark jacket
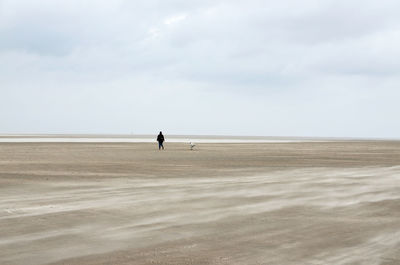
160	138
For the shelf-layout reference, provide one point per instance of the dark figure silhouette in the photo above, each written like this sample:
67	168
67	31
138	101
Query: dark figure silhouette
160	140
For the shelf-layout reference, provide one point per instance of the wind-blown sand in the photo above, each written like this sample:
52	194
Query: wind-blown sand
265	203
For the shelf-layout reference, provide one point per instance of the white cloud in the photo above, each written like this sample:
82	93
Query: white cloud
258	67
175	19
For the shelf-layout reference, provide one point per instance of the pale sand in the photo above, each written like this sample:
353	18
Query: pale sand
270	203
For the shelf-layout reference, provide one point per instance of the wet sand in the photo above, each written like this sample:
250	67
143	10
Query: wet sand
265	203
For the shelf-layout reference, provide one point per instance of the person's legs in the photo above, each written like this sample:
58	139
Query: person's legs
159	145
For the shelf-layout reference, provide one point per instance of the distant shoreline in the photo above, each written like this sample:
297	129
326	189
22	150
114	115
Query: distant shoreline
98	138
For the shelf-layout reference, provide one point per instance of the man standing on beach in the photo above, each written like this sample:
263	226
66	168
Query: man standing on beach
160	140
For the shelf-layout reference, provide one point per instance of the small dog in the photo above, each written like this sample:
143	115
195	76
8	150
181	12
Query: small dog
192	145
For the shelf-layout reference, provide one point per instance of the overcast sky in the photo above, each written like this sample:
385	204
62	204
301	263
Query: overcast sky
254	67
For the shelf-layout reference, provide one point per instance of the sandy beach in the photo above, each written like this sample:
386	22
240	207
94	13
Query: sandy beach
332	202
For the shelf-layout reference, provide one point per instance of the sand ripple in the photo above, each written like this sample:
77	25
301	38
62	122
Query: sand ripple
301	216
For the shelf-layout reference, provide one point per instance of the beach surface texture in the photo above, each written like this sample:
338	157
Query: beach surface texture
288	202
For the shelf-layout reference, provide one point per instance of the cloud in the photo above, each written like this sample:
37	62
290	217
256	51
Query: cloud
309	67
175	19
